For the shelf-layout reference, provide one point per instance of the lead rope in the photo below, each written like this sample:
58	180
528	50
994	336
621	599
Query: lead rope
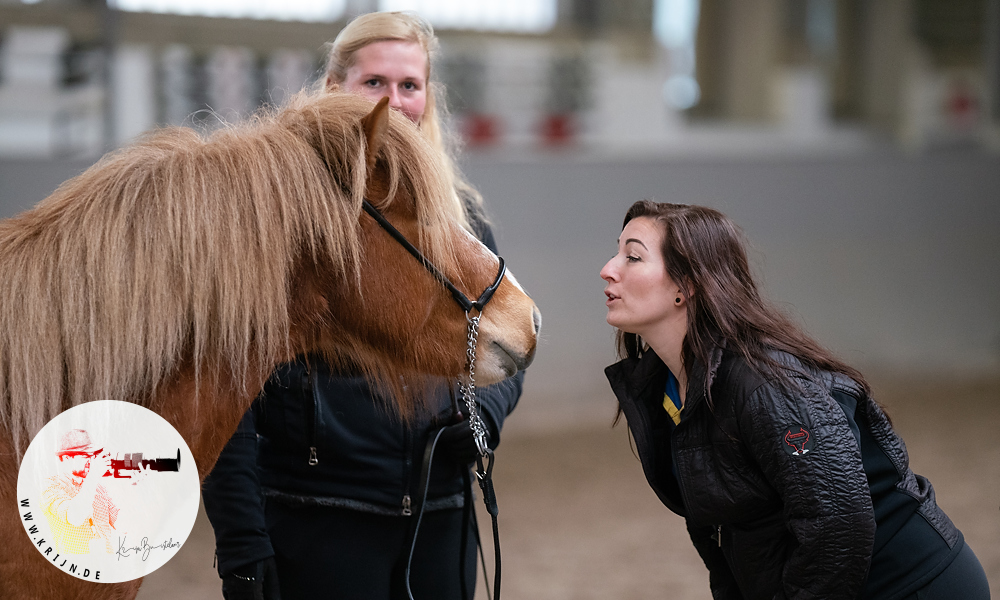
483	475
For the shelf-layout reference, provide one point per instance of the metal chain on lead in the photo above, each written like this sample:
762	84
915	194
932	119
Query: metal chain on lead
469	389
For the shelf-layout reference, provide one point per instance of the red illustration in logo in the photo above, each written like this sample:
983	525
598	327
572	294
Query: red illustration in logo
798	442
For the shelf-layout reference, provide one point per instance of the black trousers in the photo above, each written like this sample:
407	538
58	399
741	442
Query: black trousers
343	554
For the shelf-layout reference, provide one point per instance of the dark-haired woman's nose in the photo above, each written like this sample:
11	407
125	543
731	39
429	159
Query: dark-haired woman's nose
609	272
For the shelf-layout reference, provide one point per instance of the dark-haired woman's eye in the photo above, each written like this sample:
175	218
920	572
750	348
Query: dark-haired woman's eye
633	258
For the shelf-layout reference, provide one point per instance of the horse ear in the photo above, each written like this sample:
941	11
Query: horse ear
374	124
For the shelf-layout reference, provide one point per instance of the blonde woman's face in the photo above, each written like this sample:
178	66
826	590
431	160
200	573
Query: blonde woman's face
396	69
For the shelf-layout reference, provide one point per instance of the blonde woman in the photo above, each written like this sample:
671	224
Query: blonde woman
316	494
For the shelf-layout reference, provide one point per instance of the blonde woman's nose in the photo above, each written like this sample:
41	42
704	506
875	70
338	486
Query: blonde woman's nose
394	100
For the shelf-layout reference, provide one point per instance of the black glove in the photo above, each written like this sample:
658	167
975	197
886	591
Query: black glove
255	581
458	443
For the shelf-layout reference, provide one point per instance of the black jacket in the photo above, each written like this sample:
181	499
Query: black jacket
770	476
319	438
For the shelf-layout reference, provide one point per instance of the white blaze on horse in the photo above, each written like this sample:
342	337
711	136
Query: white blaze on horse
178	272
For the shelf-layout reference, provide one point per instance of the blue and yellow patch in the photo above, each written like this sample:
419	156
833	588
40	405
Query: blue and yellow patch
672	398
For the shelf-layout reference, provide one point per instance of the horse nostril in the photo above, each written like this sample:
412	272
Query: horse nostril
536	319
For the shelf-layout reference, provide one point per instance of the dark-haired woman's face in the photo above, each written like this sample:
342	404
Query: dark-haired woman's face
640	293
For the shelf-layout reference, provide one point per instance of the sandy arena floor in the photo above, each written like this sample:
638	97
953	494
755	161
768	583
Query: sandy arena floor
577	520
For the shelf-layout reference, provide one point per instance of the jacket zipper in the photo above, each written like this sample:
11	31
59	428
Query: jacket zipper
673	450
718	528
408	472
312	407
686	502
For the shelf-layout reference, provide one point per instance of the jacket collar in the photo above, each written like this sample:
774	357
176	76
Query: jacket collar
633	377
702	375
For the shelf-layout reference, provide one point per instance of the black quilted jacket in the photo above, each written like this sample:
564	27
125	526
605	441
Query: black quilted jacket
770	481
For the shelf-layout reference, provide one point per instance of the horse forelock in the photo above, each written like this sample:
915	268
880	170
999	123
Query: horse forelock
413	169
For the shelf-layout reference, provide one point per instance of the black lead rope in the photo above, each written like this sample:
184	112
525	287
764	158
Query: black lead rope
422	498
485	478
484	475
479	542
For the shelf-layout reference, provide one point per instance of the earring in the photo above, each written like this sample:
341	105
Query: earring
677	300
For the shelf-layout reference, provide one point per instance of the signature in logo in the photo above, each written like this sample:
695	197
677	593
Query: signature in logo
143	548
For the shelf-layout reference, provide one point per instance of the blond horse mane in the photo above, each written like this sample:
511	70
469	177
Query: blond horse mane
177	252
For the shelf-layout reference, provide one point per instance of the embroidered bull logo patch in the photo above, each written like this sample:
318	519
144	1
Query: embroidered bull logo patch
798	441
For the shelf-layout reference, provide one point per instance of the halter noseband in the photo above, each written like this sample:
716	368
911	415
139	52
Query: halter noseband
462	300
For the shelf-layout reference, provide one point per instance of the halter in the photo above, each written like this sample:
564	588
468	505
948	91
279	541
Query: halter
463	301
484	475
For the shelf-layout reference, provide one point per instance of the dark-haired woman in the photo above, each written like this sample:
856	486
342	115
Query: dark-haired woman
790	477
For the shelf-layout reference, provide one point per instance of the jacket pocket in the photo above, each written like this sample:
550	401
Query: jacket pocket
715	488
757	552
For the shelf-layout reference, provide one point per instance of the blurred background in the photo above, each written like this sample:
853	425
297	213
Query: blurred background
857	142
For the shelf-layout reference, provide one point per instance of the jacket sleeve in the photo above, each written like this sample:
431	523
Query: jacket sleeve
497	401
234	502
824	490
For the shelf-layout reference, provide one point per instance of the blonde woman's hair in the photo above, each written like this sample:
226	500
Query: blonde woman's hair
406	27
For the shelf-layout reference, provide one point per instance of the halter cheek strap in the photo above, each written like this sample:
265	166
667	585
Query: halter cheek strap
462	300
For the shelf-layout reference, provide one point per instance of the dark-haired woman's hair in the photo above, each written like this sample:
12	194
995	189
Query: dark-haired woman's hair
705	255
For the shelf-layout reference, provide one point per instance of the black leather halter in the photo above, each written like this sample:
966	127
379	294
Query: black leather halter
463	300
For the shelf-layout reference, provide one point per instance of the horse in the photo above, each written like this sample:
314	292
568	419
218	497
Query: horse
178	272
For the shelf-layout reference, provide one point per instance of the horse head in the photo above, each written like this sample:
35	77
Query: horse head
390	316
